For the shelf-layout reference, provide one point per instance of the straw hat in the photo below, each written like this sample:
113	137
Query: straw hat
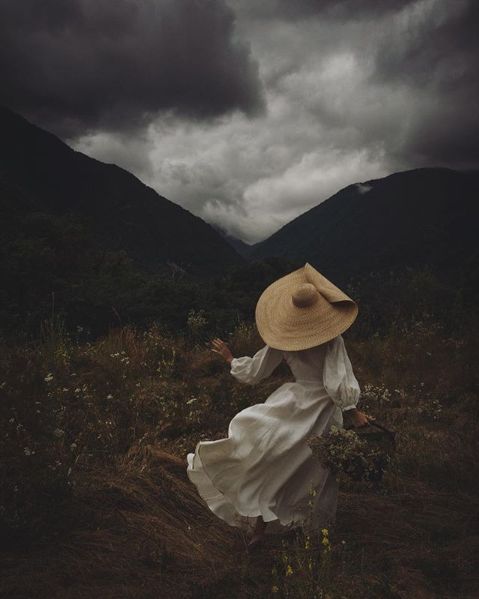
302	310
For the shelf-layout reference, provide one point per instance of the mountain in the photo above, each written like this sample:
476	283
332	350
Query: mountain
118	210
244	249
417	218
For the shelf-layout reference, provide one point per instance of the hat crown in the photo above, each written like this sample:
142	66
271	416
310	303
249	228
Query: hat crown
305	295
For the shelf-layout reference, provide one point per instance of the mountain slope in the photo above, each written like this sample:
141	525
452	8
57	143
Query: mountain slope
243	248
423	217
120	212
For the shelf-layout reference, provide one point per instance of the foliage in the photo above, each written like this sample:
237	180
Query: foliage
303	566
76	410
344	450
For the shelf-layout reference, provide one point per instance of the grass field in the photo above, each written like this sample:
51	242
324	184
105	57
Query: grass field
95	501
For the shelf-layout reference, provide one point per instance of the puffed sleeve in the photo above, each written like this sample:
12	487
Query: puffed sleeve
261	365
338	377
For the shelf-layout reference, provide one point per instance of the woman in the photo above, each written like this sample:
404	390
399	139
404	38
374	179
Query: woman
264	472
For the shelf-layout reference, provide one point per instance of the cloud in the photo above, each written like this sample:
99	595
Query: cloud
363	188
352	95
250	177
306	9
431	49
352	90
114	65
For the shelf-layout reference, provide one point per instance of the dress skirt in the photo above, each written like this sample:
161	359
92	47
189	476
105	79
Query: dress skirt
265	466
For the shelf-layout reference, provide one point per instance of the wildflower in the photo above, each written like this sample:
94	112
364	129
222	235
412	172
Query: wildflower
192	400
58	433
325	532
49	377
274	589
27	451
73	446
289	570
109	396
325	541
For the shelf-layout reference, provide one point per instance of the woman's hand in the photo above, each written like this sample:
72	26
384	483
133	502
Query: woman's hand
220	347
359	418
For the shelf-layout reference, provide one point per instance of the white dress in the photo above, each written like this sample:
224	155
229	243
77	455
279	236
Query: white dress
265	466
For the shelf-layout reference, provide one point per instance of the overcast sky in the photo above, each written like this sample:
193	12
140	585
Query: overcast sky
249	112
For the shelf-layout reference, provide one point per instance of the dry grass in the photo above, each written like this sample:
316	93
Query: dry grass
130	524
139	530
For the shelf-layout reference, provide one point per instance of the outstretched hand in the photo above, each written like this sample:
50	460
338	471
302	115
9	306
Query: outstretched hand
220	347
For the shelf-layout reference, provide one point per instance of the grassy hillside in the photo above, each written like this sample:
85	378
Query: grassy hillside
95	502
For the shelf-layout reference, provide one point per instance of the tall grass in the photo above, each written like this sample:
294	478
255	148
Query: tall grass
92	480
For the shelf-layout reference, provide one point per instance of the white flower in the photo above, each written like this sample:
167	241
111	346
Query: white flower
27	451
49	377
58	433
109	396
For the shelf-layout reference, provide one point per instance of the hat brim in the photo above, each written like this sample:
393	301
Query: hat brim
284	326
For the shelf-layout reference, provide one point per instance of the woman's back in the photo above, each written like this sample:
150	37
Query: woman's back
307	364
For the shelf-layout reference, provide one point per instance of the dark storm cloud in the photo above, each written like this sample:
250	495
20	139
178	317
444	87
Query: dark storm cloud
435	52
413	86
303	9
82	65
355	90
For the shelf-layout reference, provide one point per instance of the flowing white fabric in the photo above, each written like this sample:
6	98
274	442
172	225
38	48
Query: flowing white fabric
265	466
338	377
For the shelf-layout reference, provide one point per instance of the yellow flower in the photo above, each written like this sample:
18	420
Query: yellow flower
325	541
289	570
325	532
274	589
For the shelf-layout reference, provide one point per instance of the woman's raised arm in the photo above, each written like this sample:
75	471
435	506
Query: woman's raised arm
246	369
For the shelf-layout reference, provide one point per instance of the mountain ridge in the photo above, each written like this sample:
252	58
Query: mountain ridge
122	211
405	219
